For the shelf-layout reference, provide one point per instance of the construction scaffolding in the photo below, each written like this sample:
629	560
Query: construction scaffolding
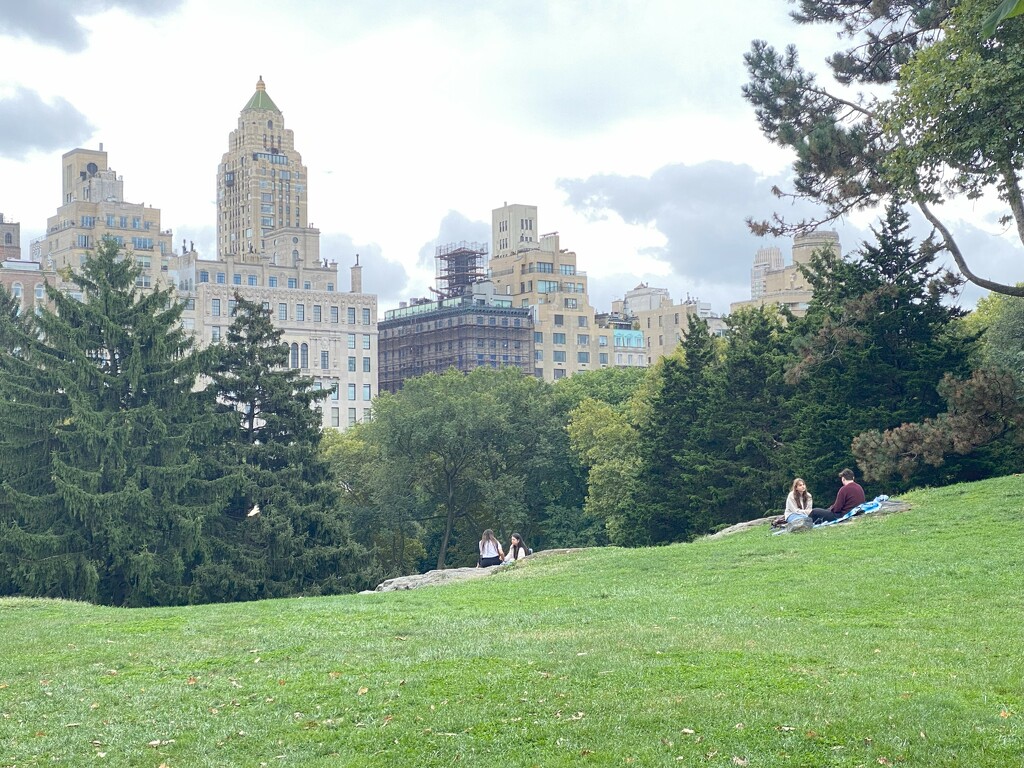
459	266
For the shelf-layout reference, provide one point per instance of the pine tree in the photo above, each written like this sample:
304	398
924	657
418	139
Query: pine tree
672	435
878	337
118	516
279	531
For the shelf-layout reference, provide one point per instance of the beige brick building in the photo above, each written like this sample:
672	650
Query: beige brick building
773	283
536	272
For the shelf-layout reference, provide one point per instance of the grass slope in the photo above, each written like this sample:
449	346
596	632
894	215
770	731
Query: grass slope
898	640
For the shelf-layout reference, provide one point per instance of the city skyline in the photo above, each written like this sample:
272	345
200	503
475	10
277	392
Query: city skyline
624	126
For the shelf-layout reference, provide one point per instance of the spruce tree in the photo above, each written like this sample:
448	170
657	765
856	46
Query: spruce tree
118	516
878	337
279	531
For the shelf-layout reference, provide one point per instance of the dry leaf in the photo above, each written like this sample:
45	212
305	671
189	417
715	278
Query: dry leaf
334	675
689	731
884	761
363	691
1004	714
192	681
740	726
739	761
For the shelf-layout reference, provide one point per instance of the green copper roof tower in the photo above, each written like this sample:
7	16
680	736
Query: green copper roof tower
260	99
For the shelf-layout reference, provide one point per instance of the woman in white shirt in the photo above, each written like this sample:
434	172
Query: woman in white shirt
799	500
516	549
491	552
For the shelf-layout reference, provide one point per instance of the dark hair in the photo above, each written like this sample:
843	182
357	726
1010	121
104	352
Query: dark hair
512	547
846	474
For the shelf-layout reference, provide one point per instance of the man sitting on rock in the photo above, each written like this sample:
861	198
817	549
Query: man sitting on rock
849	496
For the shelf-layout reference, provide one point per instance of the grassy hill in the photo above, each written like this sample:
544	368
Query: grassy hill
896	640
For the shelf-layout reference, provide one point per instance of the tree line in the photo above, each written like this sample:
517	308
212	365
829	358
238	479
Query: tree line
136	469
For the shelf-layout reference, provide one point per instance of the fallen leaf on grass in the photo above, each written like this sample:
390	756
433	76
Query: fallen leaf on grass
785	728
94	705
688	731
739	726
739	761
192	681
72	725
160	743
334	675
1004	714
884	761
363	691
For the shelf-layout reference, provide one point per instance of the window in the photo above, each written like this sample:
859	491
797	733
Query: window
366	315
582	357
559	356
351	341
306	285
547	286
330	287
351	391
317	313
222	278
334	391
559	319
335	417
282	311
567	269
350	315
83	240
236	279
603	358
351	363
215	334
351	417
204	276
366	364
136	222
545	266
570	303
366	392
304	355
366	341
602	341
272	281
293	283
538	355
559	373
252	280
294	357
325	359
300	312
538	337
558	338
215	307
582	339
334	314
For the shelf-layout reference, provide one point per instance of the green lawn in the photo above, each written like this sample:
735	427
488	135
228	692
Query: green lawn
897	640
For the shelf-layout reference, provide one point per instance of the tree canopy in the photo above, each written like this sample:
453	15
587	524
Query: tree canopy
939	119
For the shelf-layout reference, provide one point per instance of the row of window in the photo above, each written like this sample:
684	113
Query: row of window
559	356
221	278
121	222
336	416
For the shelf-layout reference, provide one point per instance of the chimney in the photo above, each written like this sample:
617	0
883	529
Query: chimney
357	277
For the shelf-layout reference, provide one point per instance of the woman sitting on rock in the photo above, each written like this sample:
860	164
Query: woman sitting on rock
491	552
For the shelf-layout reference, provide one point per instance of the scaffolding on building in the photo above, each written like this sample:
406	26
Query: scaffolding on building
459	266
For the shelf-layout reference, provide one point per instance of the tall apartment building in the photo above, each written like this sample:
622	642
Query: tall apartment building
93	206
268	253
773	283
536	272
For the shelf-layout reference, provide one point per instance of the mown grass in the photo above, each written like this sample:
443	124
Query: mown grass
898	640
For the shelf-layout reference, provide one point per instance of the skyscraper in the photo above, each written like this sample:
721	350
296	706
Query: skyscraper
261	185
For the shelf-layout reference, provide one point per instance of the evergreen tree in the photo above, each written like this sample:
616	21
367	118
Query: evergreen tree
744	420
118	518
876	341
279	531
671	487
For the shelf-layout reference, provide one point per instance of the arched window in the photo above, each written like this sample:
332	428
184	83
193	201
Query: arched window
295	355
305	355
16	291
40	292
295	257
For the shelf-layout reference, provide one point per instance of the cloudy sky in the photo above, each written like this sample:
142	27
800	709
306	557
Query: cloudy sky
621	120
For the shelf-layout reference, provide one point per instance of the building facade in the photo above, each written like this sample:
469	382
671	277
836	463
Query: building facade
10	239
476	329
537	273
773	283
93	207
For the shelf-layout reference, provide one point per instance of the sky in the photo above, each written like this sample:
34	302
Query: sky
622	120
